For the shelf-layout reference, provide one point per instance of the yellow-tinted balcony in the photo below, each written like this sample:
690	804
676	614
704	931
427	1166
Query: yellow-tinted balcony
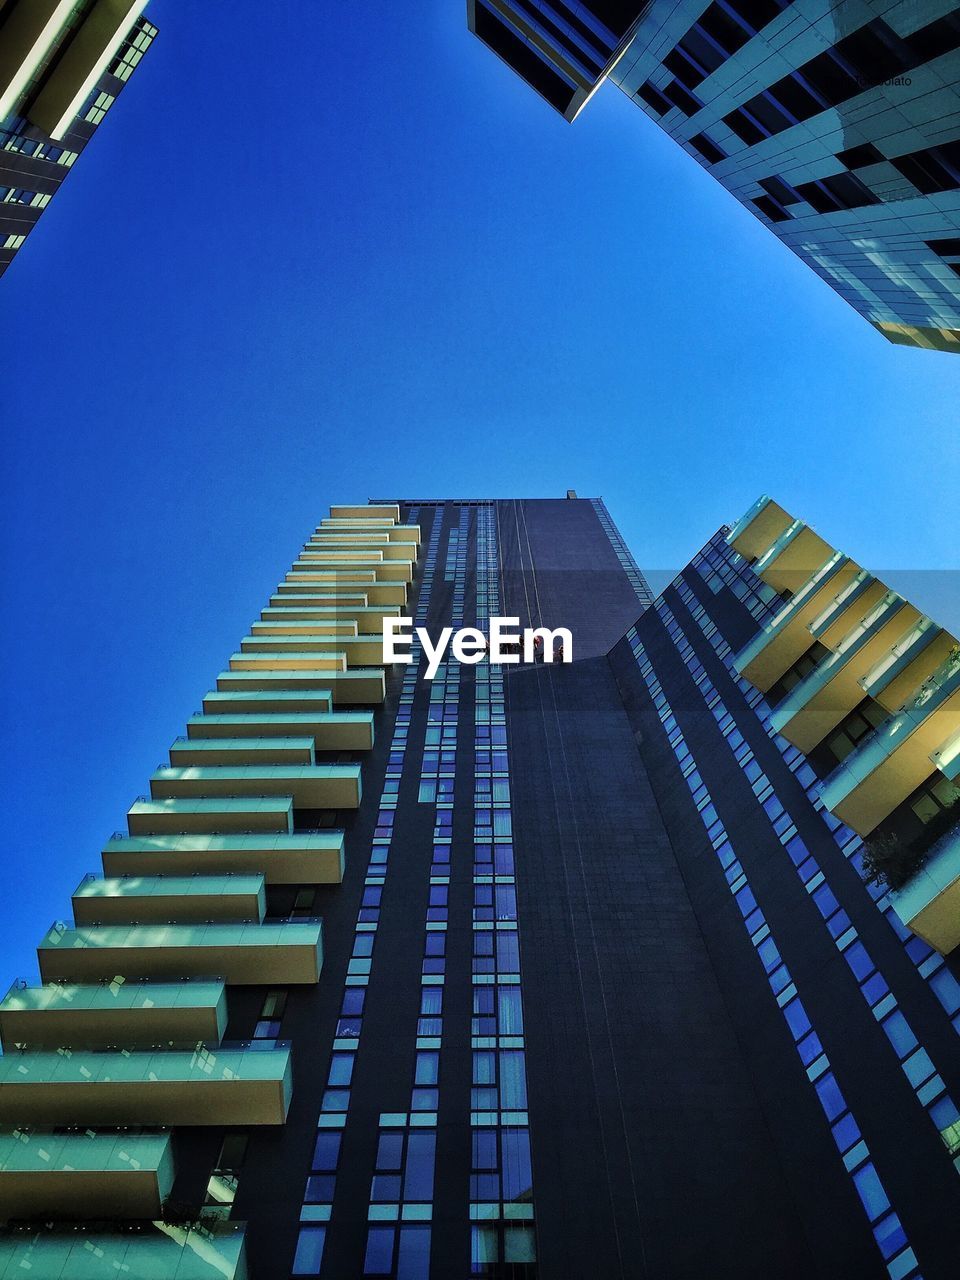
287	618
326	603
358	651
269	954
253	813
786	637
29	34
83	59
325	627
400	532
389	511
158	1251
334	569
327	731
309	590
758	528
796	554
167	899
331	660
312	786
894	760
105	1176
841	614
257	702
226	1085
113	1014
364	685
308	857
915	657
832	690
929	905
257	749
391	548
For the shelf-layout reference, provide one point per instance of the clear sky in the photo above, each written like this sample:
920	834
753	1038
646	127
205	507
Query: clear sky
321	251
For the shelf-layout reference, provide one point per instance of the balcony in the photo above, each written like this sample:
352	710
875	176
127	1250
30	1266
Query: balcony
158	1251
228	1085
758	528
359	650
269	954
333	660
912	660
113	1013
308	857
392	548
288	621
302	589
929	904
333	566
257	702
363	685
786	637
47	1175
312	786
329	603
255	813
795	554
832	690
400	532
169	899
390	511
259	749
327	731
857	598
889	765
330	628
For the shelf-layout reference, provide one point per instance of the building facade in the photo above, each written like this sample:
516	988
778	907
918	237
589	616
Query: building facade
837	125
528	971
62	65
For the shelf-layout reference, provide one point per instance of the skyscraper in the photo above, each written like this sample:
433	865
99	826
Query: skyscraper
837	126
531	970
62	65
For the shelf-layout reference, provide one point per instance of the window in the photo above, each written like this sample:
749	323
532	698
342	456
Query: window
309	1254
705	147
653	98
679	96
840	191
851	731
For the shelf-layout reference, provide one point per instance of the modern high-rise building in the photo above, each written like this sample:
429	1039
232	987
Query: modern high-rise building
62	65
534	970
837	125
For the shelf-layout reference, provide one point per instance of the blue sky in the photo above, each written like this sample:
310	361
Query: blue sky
322	251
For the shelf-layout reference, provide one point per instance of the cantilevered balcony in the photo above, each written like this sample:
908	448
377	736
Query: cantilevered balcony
288	619
169	899
385	511
759	528
853	602
226	1085
250	813
158	1251
894	760
353	589
257	749
359	650
327	731
335	539
331	602
46	1176
790	560
331	660
399	532
113	1014
273	953
929	905
786	637
303	857
832	690
332	565
363	685
913	659
325	628
267	701
312	786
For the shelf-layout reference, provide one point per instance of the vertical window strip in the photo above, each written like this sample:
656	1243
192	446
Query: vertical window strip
501	1184
318	1196
915	1062
888	1230
928	963
622	552
400	1210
